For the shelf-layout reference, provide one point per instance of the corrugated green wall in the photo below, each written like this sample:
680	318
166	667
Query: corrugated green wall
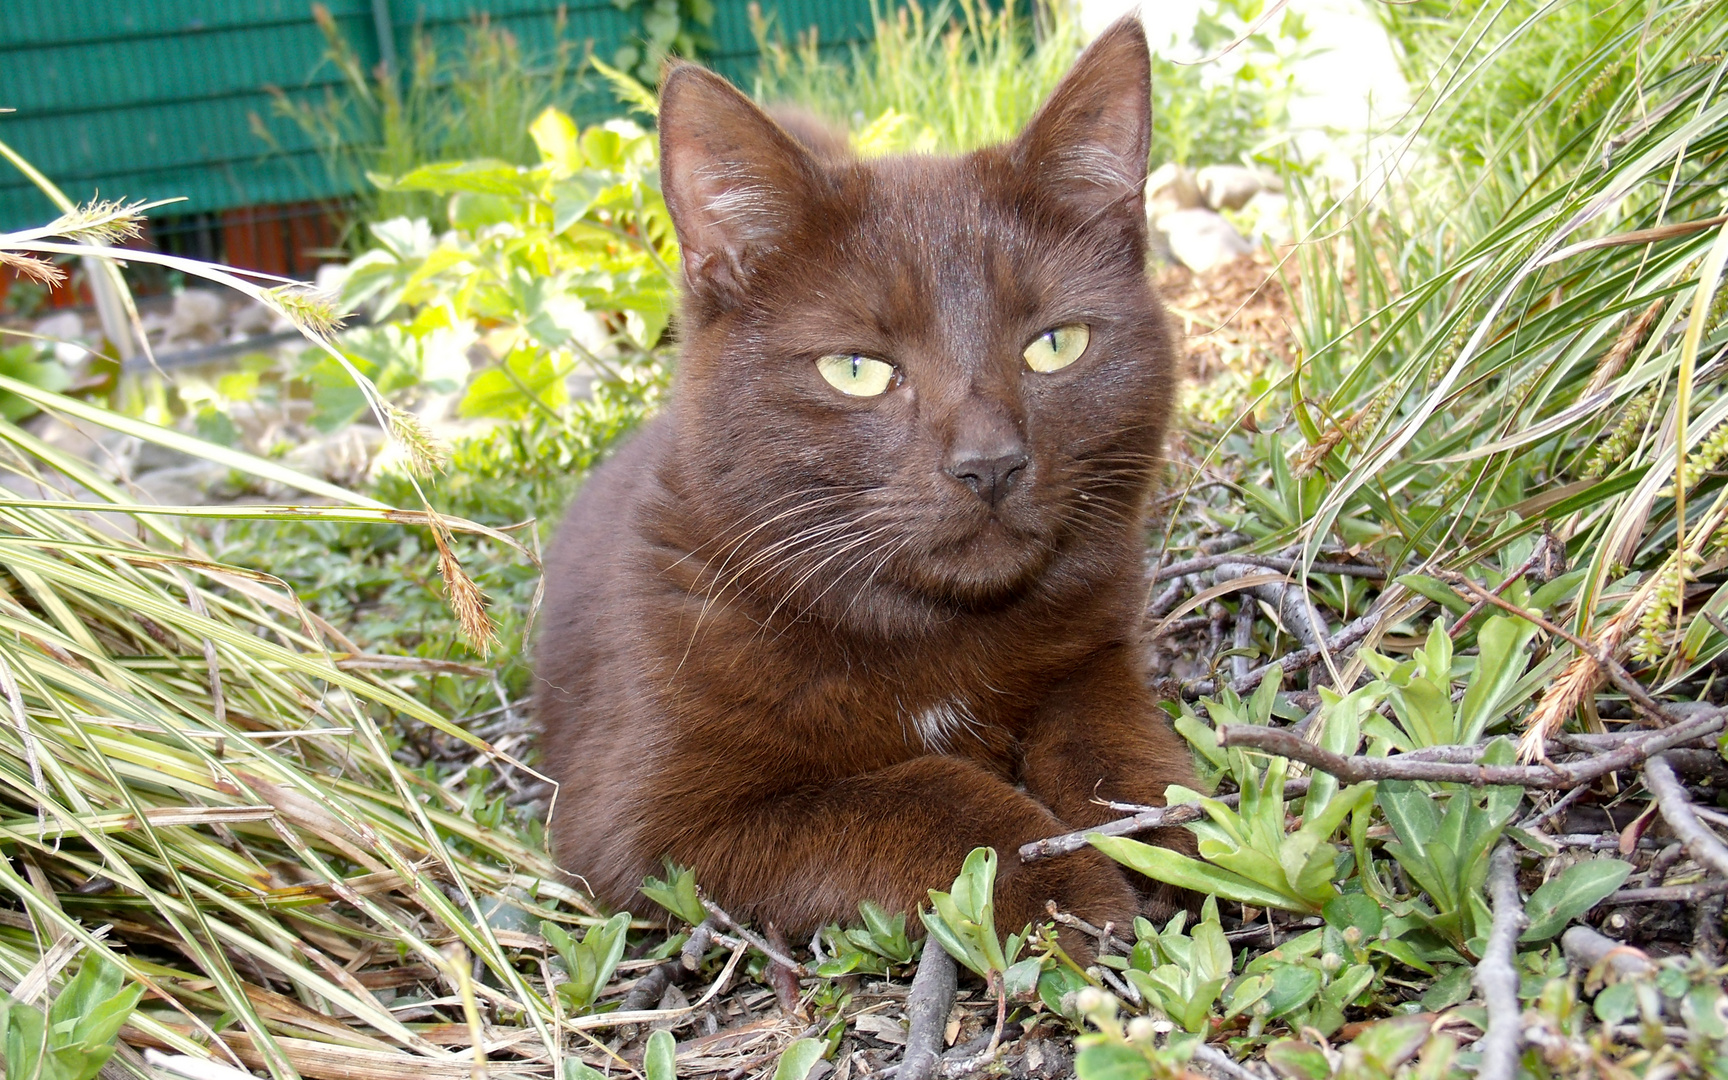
148	99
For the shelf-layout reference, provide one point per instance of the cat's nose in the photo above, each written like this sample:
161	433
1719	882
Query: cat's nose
989	476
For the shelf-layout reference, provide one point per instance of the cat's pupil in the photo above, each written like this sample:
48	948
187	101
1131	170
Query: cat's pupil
855	366
1050	336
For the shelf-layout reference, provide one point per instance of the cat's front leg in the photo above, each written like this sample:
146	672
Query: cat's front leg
1099	737
807	858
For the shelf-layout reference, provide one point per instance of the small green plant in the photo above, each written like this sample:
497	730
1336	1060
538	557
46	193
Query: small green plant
677	893
1182	974
1118	1051
1246	855
964	922
78	1035
589	961
876	947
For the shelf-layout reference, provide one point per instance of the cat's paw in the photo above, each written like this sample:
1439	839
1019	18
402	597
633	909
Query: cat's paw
1083	883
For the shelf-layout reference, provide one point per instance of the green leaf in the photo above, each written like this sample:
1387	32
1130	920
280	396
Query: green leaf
796	1060
677	893
1389	1043
1293	986
1576	890
1162	864
577	1069
1354	910
1112	1061
486	176
660	1062
1298	1060
1020	982
1500	663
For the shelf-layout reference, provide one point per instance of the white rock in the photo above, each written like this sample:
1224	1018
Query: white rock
196	315
253	319
1170	188
1202	239
1268	217
65	329
1229	187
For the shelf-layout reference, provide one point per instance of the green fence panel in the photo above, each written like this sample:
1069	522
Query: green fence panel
151	99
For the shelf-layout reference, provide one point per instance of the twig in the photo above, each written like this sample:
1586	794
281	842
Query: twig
697	944
1495	976
1688	894
927	1006
1290	601
1106	939
1702	844
1535	821
651	987
1586	948
1617	675
1157	817
756	940
1224	1064
1630	753
1269	562
1291	662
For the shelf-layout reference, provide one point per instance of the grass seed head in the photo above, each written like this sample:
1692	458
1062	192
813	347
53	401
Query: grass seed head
33	268
100	222
313	311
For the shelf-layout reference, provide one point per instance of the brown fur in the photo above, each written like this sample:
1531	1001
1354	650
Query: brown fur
788	639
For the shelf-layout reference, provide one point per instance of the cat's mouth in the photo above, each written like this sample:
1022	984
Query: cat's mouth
994	555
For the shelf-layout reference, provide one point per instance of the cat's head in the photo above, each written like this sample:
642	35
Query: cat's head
918	379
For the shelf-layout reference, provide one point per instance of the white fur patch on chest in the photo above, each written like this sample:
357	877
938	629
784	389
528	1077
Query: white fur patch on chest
938	724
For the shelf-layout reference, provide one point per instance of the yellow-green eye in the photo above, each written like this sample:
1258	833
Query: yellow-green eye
1055	349
858	376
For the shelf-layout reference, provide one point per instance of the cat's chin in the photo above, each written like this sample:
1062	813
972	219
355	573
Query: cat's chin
989	566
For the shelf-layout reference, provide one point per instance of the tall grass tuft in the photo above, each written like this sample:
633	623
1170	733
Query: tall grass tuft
1527	331
474	102
202	781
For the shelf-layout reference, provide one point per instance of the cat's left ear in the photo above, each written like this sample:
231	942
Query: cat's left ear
1090	141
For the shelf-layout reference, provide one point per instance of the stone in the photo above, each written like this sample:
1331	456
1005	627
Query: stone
197	316
65	331
1202	239
1229	187
1170	188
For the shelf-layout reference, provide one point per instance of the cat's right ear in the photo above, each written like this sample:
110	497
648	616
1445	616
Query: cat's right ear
735	182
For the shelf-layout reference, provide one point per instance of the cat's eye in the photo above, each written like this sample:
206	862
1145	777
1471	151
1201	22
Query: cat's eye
1058	347
858	376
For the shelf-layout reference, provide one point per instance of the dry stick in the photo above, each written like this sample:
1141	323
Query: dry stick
1214	1058
1268	562
1495	977
1700	842
1619	676
1586	948
1352	770
1682	893
756	941
927	1006
1156	817
1348	635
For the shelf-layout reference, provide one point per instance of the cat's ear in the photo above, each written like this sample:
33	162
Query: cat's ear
735	182
1090	141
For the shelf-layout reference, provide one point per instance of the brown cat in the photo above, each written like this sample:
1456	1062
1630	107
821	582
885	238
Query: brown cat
864	596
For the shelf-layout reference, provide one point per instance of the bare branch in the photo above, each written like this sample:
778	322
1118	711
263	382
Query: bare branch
1495	977
1681	893
1630	753
757	942
1269	562
927	1006
1586	948
1702	844
1156	817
